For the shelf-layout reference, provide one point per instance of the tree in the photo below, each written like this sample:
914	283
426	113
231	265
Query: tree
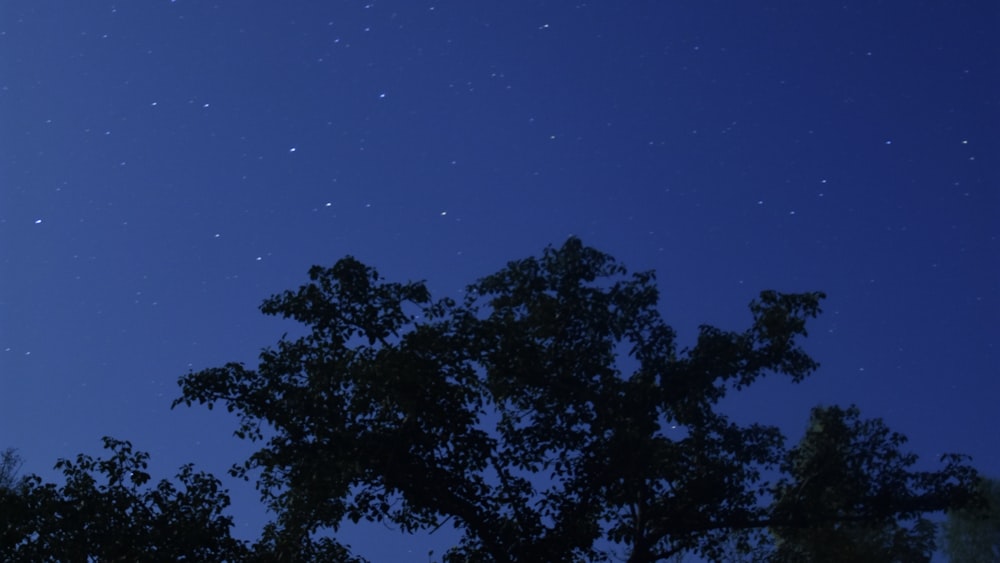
10	464
510	414
106	511
851	495
972	534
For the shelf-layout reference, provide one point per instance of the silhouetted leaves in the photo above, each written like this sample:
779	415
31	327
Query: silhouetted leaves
851	495
106	511
549	410
972	533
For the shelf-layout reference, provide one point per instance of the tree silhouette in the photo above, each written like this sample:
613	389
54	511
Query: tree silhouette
510	415
106	511
972	534
850	495
10	464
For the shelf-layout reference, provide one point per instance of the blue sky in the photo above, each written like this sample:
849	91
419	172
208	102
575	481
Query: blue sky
164	166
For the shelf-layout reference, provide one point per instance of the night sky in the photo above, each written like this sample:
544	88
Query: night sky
166	165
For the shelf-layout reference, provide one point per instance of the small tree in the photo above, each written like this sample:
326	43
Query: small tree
972	534
106	511
850	494
10	465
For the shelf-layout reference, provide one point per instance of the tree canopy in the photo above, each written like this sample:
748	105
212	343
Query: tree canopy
849	494
972	533
107	511
550	416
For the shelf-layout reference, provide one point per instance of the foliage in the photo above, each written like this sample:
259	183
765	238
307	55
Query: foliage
972	534
850	494
107	511
283	545
510	414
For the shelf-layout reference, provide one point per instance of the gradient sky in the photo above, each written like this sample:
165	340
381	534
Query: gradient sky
166	165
